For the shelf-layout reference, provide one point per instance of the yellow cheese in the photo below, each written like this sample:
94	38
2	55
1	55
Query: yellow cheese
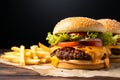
55	61
107	62
96	54
52	49
117	46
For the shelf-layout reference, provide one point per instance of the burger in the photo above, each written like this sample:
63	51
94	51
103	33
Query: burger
112	26
77	43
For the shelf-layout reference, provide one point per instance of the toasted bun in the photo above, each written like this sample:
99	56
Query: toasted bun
80	64
78	24
111	25
115	59
114	27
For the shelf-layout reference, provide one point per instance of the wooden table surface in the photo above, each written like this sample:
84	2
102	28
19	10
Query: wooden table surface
8	72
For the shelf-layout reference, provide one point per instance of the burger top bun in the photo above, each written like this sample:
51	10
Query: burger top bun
111	25
78	24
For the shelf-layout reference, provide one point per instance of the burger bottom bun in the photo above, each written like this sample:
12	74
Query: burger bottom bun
80	65
115	59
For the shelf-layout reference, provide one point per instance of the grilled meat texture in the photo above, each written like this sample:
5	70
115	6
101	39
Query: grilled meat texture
69	53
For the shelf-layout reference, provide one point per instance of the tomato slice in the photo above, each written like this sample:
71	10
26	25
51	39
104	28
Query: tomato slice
68	44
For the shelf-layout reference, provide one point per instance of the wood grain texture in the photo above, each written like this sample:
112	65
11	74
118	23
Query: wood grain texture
12	70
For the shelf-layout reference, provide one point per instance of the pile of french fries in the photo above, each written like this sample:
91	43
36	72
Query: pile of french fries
37	54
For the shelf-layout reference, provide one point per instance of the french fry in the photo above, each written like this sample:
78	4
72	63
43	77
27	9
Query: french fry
39	49
33	56
27	50
22	57
43	60
9	57
45	48
48	58
15	60
12	53
43	53
16	49
32	61
34	51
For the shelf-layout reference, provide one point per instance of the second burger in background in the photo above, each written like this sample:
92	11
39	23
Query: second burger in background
113	27
77	43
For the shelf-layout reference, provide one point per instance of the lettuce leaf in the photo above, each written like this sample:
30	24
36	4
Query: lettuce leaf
108	38
116	37
54	39
92	34
75	37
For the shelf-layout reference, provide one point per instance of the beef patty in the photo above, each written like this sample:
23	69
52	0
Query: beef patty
68	53
115	51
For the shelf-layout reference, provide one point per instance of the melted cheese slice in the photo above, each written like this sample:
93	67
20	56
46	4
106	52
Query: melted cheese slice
116	46
52	49
96	53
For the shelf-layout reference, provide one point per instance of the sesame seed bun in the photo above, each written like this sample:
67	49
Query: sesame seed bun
78	24
111	25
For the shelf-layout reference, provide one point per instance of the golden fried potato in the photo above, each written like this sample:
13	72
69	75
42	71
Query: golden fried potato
33	56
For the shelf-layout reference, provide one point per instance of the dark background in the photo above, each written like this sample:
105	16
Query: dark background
26	22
